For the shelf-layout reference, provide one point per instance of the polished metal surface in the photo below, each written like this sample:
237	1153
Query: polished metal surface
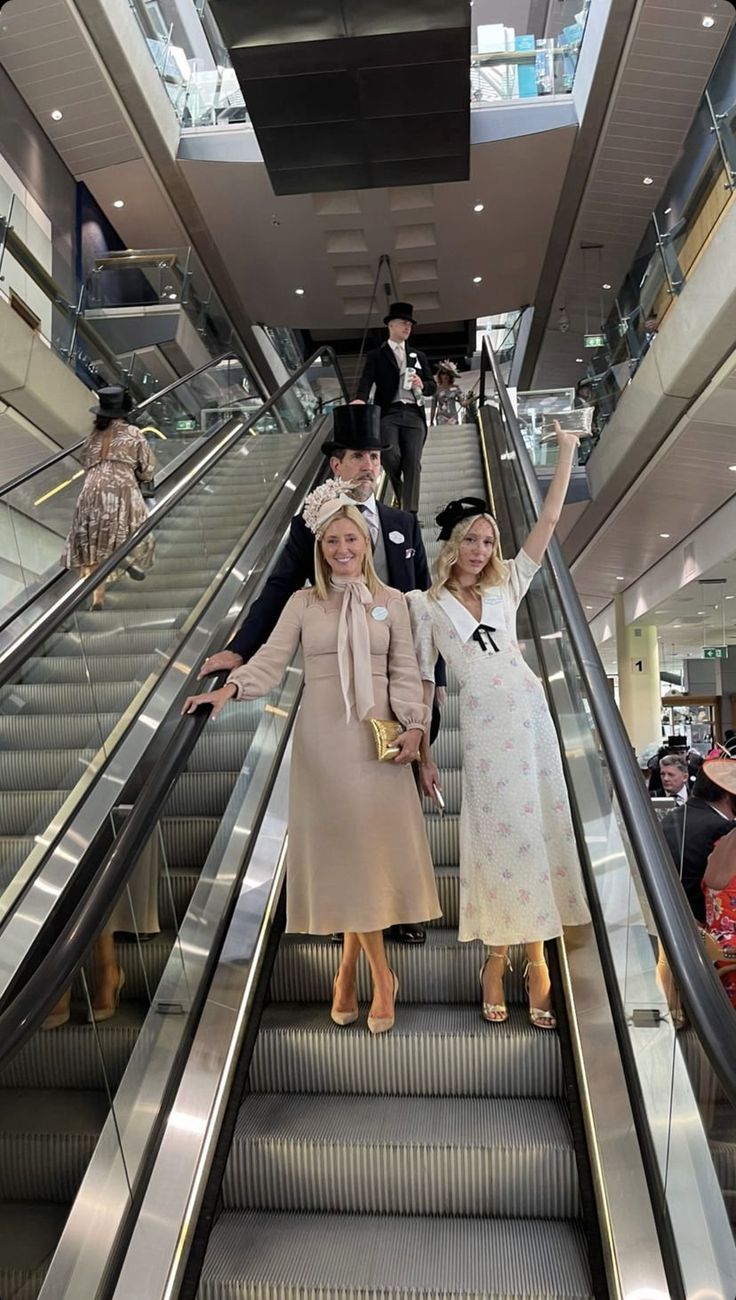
102	1205
47	886
158	1250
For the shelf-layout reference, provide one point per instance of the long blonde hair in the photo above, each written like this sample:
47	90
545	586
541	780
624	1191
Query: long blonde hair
495	573
322	571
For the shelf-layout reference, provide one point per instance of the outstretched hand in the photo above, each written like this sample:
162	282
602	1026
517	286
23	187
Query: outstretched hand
566	439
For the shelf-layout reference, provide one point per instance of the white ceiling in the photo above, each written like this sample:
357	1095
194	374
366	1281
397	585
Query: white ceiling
329	244
660	84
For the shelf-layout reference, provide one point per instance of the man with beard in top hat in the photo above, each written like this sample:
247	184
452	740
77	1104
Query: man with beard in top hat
354	452
402	377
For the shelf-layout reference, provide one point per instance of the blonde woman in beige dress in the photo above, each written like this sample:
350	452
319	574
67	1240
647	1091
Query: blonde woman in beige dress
110	506
358	858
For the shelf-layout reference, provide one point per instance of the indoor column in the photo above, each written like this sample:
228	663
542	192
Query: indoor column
639	690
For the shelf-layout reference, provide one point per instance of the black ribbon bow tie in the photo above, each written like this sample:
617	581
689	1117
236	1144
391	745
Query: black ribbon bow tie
482	632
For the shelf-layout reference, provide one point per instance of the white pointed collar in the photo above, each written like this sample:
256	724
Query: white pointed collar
461	618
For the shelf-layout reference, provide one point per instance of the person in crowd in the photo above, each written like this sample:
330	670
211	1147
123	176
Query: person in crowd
448	401
520	878
358	858
692	829
676	780
676	747
110	505
725	749
402	378
399	558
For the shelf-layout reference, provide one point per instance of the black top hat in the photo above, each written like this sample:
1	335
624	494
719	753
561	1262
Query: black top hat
452	514
400	311
114	402
355	428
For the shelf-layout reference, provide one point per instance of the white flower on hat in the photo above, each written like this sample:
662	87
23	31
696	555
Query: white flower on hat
325	502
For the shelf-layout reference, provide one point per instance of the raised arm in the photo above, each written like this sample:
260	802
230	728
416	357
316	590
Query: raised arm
539	538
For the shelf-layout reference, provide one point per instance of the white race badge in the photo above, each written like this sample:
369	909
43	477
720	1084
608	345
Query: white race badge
379	613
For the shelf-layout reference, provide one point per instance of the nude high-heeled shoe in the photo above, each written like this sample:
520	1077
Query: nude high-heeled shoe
382	1024
342	1017
494	1012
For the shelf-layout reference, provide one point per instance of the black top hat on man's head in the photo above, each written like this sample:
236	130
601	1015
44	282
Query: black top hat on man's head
355	428
400	311
113	402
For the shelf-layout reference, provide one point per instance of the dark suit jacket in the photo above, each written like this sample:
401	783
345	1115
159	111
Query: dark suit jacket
407	571
702	827
382	370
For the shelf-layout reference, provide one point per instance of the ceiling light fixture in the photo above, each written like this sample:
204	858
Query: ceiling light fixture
730	597
57	115
479	207
579	360
619	577
667	211
118	203
648	180
477	279
299	293
708	20
606	286
732	469
664	534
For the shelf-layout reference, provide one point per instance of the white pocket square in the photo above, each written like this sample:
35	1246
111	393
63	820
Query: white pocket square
396	537
411	552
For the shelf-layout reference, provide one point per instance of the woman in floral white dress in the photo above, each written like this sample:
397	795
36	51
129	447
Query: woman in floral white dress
520	879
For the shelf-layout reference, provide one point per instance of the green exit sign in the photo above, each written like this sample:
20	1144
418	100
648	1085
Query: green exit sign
594	340
715	652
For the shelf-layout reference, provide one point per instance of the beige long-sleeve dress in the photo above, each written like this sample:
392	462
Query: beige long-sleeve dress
358	857
110	506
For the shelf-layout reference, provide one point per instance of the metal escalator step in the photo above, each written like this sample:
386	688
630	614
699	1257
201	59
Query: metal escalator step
70	645
448	747
138	598
187	840
254	1255
433	1050
28	1237
14	849
220	751
143	966
40	769
175	885
31	698
448	888
512	1157
114	620
47	1137
29	811
56	731
441	970
204	792
443	834
93	667
69	1057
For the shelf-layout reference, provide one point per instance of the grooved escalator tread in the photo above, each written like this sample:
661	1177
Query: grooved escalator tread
258	1255
28	1238
47	1137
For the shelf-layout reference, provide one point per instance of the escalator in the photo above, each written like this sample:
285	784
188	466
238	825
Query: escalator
284	1156
437	1160
63	716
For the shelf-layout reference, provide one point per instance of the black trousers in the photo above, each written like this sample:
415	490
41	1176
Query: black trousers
404	431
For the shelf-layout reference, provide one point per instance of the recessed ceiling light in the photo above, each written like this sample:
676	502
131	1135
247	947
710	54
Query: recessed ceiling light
588	606
730	597
479	207
700	611
667	211
606	286
732	469
299	293
648	180
619	577
664	534
579	360
477	279
708	20
57	115
118	203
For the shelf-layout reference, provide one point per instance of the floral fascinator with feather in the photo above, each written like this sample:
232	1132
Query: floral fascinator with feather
324	502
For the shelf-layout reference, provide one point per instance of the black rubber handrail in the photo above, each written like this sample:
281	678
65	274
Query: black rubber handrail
135	411
703	996
29	644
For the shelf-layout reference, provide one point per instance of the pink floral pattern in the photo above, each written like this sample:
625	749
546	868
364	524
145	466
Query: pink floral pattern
520	878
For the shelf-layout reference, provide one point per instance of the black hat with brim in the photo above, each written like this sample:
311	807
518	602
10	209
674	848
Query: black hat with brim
400	311
113	401
355	428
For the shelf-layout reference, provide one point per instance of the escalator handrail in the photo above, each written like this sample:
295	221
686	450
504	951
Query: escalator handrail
703	996
28	474
28	644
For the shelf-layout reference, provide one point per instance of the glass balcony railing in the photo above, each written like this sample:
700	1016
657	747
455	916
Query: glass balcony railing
697	195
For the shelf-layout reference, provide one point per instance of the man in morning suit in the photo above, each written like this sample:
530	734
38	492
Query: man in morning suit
403	420
399	557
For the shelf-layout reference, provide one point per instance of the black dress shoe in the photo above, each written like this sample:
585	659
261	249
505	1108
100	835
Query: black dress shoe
336	937
406	933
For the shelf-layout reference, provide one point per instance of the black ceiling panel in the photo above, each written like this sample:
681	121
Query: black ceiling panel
341	92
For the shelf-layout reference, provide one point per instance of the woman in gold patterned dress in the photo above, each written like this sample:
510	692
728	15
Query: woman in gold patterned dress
110	506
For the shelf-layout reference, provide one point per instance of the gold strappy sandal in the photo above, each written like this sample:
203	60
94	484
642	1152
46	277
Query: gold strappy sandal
494	1012
540	1019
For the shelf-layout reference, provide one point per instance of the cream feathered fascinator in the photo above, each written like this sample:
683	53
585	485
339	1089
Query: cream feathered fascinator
324	502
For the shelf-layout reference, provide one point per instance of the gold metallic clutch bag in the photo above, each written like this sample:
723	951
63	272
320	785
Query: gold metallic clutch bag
384	735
